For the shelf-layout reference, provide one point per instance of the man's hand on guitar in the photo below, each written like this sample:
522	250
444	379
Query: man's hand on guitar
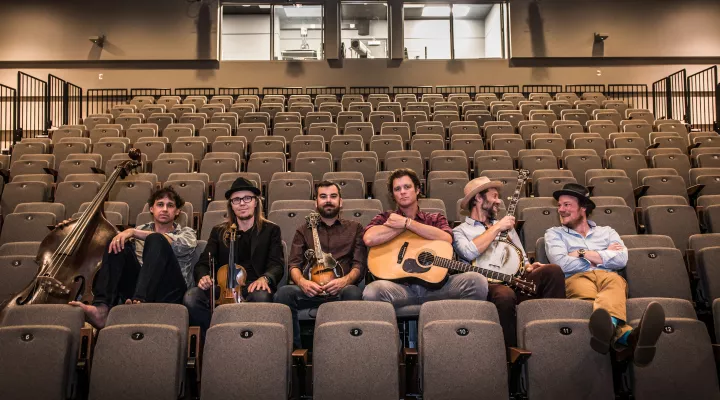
335	286
205	282
506	223
396	221
310	288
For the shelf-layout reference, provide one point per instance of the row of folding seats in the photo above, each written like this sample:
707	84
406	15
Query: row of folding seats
151	340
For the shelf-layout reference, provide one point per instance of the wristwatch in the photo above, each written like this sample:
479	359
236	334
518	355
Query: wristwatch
581	253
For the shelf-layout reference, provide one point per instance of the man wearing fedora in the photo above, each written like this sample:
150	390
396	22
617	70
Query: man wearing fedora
258	248
590	257
480	228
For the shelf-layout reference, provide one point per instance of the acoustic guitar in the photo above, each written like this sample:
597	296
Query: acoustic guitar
410	256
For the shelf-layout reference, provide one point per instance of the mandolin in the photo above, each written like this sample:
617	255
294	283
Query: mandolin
321	267
410	256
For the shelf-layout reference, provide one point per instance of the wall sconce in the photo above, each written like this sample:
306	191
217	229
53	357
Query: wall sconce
98	40
600	37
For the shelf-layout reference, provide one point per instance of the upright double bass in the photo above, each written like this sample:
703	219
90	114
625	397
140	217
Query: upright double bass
71	254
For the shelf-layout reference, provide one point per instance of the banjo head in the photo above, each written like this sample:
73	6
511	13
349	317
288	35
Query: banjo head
502	257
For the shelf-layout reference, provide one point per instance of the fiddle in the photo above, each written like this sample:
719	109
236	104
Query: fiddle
231	277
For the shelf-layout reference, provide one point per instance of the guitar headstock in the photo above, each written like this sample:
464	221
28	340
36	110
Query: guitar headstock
312	220
527	287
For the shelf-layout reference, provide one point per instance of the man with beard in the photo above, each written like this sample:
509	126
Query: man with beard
258	249
480	229
339	237
404	189
151	263
590	256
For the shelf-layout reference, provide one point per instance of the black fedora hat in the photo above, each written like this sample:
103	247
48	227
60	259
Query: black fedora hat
578	191
242	184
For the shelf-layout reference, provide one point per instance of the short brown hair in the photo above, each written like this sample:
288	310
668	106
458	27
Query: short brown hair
399	173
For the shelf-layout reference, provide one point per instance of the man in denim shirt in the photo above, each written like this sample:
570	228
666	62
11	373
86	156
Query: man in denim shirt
590	257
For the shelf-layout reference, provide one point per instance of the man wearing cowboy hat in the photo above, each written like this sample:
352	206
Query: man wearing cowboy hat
590	256
480	229
258	248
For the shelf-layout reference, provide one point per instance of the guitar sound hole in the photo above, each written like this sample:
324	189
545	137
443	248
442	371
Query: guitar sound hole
425	258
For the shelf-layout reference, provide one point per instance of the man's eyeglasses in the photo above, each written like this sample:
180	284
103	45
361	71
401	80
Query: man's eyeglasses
237	200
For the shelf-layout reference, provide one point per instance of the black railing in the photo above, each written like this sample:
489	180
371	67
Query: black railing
499	90
64	102
366	90
156	93
416	90
285	91
329	90
636	96
670	99
100	101
185	92
8	116
33	110
702	99
235	92
552	90
450	89
580	89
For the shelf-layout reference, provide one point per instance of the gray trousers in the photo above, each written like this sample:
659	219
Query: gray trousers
468	286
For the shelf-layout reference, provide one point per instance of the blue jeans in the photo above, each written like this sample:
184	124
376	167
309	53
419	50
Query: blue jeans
293	297
467	286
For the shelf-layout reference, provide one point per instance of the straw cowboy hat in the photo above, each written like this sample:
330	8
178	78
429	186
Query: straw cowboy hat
476	186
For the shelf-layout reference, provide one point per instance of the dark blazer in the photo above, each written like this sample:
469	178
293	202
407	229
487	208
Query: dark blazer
267	257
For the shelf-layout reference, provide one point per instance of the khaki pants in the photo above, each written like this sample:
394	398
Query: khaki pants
606	289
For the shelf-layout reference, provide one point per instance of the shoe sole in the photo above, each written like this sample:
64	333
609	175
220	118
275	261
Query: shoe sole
649	330
601	330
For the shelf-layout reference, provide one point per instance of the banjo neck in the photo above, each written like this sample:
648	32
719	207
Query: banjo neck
522	177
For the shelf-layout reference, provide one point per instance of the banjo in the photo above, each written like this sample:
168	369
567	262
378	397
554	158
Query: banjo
502	256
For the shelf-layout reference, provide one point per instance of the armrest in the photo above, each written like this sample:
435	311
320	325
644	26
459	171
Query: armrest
692	271
694	190
97	170
87	339
518	355
193	350
409	354
52	172
519	225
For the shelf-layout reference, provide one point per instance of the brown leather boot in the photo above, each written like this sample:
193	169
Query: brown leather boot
642	340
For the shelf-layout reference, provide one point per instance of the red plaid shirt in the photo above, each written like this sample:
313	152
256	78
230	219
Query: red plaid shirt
433	219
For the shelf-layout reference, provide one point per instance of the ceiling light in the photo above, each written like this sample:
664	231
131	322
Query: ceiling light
264	6
352	26
414	5
436	11
461	10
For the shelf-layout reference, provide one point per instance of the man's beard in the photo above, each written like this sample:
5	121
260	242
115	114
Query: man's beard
572	224
246	217
490	212
332	213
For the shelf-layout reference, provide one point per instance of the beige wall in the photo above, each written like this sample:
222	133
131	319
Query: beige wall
42	30
166	29
637	28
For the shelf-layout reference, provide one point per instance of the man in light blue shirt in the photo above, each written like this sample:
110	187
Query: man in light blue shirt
590	255
473	237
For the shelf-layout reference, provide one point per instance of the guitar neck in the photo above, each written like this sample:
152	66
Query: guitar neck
465	267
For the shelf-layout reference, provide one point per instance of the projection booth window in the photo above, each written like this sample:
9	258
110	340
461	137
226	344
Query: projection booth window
364	30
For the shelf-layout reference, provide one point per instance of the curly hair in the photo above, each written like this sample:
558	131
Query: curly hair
399	173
